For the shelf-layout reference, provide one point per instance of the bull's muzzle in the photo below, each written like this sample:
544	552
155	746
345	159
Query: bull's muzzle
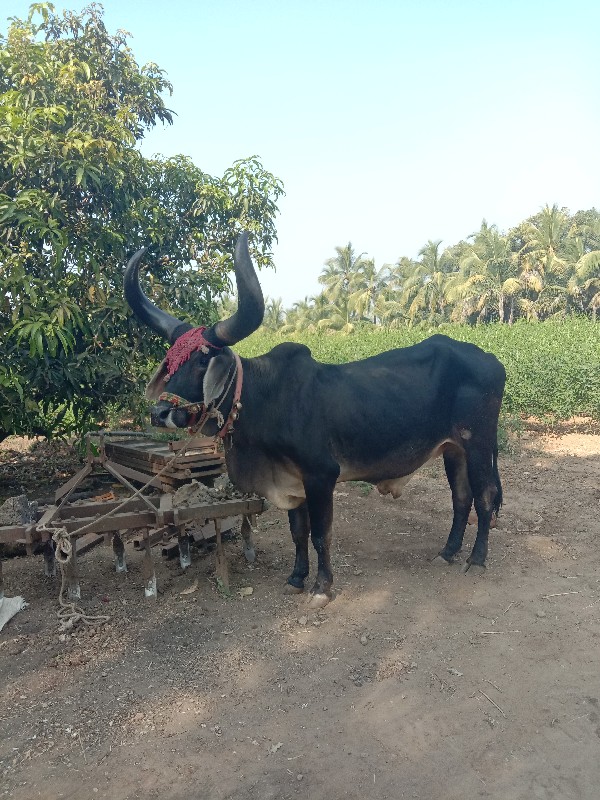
165	415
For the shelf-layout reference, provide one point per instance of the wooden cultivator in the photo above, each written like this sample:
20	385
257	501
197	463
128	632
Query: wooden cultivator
148	521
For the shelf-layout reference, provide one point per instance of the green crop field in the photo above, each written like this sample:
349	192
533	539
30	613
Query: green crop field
553	367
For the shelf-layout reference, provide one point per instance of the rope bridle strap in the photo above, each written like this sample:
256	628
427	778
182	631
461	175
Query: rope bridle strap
236	404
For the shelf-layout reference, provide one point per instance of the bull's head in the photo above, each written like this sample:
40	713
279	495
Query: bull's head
199	362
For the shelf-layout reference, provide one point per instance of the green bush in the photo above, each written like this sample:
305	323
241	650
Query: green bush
553	367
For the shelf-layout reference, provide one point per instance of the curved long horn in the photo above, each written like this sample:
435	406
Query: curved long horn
251	304
166	325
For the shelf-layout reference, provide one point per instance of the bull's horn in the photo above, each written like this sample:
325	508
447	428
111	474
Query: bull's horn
166	325
251	304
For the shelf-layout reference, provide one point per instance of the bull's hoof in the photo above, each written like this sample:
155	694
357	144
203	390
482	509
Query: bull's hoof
440	561
317	601
250	554
289	589
473	569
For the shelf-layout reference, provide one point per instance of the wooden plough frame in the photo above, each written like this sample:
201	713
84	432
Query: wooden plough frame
154	518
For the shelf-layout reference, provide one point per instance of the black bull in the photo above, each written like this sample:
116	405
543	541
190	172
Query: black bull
303	426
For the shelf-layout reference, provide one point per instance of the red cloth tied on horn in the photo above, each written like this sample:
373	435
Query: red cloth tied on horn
184	346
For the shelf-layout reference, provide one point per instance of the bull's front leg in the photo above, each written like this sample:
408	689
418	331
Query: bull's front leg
319	501
300	529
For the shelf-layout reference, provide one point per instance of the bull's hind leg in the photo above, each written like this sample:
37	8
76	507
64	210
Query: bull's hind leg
300	529
487	494
455	463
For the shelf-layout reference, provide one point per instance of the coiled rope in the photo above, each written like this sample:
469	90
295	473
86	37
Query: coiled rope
69	613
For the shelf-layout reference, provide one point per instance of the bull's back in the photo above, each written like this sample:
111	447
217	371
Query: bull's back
399	407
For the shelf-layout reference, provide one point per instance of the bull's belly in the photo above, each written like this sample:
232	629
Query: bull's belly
282	485
381	474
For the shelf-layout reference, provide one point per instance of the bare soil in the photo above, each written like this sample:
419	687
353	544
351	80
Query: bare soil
415	682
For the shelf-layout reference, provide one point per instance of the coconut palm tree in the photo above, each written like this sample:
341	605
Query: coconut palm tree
389	310
429	301
297	318
584	243
337	277
423	292
488	276
560	267
544	258
586	282
545	237
274	316
366	286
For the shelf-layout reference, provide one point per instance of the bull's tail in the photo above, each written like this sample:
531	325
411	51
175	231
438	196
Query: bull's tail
498	499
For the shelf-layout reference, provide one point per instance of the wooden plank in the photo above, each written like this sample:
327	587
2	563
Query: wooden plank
136	475
11	534
89	510
114	450
116	522
143	454
182	472
161	451
188	469
71	484
31	538
156	465
113	469
227	508
155	536
191	463
200	444
51	513
208	531
149	461
141	446
87	541
208	452
145	518
170	480
131	463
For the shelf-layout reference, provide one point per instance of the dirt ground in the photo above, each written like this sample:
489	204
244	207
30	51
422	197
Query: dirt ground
415	682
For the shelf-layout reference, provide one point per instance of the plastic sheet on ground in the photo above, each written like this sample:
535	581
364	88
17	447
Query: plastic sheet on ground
9	606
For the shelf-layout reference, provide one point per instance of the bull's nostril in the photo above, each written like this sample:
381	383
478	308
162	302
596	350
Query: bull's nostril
159	416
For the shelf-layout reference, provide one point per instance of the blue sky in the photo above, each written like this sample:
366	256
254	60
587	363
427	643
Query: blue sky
389	122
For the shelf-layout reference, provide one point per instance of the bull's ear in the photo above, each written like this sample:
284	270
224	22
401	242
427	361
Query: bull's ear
215	377
157	383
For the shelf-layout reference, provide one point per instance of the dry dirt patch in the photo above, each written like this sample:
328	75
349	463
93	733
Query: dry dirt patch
416	682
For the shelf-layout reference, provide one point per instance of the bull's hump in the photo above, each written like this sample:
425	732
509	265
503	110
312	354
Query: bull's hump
287	350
